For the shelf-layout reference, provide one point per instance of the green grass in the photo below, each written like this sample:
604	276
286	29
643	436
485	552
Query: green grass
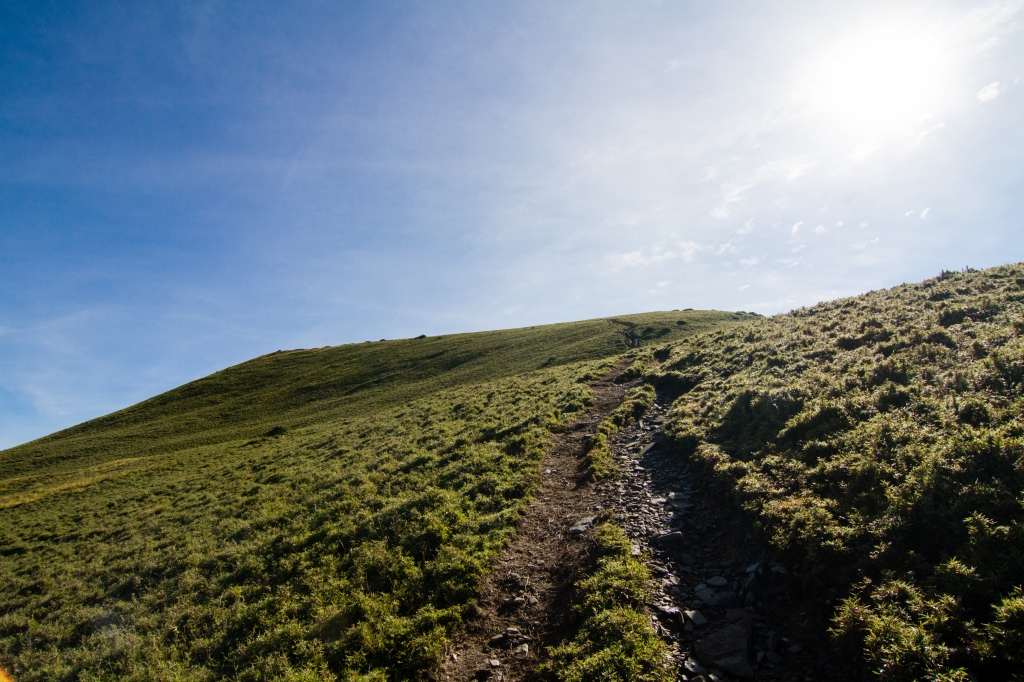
599	456
615	641
878	441
308	515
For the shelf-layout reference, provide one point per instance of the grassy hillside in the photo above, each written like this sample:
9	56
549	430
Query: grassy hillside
306	515
876	442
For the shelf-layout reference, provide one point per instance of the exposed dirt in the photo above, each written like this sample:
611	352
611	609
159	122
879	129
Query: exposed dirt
712	577
524	602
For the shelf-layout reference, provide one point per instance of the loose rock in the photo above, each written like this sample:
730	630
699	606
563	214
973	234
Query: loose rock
727	649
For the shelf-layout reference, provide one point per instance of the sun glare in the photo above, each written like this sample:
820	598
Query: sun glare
876	82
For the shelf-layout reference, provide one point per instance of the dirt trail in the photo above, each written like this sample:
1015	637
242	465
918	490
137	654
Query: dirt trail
523	605
728	611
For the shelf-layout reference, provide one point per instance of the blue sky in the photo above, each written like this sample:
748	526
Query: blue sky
184	186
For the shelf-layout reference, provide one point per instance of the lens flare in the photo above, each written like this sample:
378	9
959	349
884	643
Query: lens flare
876	81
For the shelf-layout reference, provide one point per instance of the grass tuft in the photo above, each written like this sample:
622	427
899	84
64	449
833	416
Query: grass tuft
615	640
636	402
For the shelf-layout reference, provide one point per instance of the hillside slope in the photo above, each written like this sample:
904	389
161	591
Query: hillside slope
305	515
877	442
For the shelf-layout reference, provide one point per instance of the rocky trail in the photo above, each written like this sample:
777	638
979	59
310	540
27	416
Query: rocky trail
728	612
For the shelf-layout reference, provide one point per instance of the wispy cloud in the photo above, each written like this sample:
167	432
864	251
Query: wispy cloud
989	92
788	169
732	193
684	251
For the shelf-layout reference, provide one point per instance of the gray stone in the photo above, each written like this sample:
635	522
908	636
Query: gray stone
521	651
581	526
727	649
686	558
697	617
718	581
722	600
675	539
669	615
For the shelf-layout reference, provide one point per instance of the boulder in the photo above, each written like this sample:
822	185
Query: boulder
727	649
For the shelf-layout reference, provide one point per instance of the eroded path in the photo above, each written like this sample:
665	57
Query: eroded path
523	606
729	612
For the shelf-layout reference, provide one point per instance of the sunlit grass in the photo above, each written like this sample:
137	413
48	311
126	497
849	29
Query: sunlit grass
306	515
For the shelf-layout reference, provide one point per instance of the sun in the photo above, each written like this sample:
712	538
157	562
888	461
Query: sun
875	81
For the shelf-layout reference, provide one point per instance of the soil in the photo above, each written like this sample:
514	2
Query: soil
524	605
540	562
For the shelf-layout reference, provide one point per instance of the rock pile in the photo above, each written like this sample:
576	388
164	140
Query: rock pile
718	597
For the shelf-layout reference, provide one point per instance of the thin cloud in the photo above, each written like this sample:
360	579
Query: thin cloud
732	193
989	92
796	228
924	213
788	169
646	256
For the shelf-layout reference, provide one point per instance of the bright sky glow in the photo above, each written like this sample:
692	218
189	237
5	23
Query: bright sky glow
879	80
186	185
